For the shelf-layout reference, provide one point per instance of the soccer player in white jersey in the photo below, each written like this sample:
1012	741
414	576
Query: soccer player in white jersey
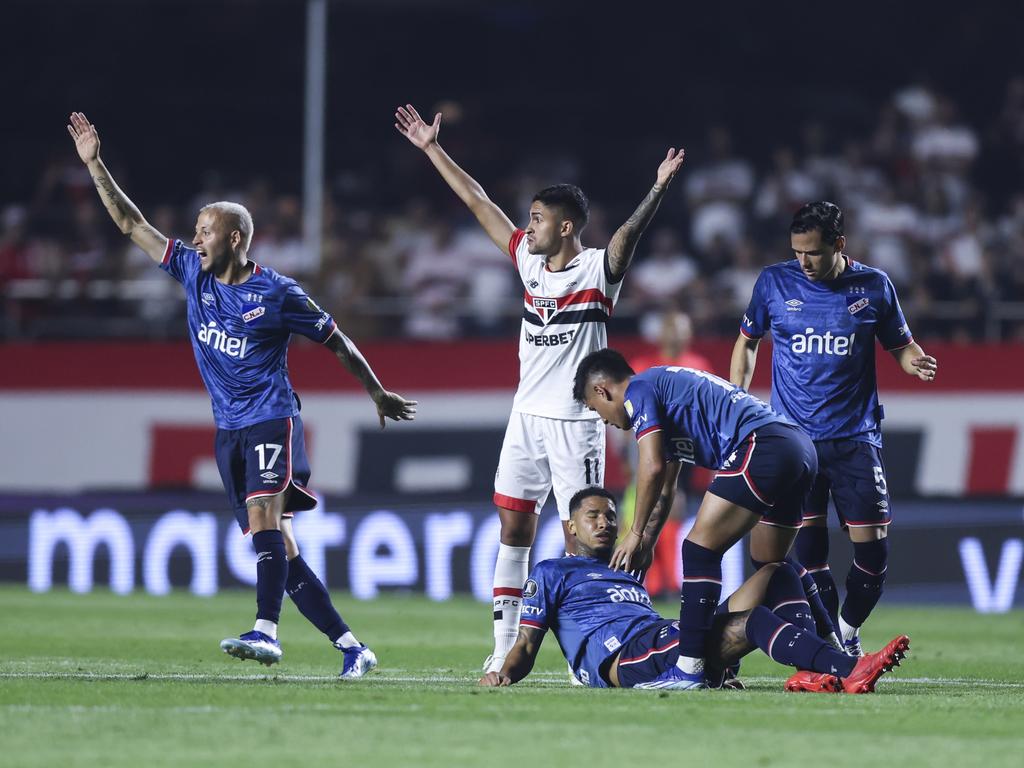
552	442
241	316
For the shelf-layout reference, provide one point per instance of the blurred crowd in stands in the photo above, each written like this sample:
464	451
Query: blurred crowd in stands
916	205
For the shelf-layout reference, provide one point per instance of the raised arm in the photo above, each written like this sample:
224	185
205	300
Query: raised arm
494	221
915	362
744	358
122	210
623	243
389	405
519	661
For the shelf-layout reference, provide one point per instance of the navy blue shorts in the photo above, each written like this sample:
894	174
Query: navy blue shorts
649	653
264	459
770	473
852	473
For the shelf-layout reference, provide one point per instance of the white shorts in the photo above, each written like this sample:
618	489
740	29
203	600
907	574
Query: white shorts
541	454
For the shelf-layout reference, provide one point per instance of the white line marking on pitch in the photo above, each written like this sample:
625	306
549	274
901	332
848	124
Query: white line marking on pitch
387	678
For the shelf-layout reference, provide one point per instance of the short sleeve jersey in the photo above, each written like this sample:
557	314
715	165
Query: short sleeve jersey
823	334
703	418
592	610
240	337
564	319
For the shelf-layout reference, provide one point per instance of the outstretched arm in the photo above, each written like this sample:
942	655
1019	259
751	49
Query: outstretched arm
651	473
744	358
122	210
620	250
494	221
914	361
389	405
519	661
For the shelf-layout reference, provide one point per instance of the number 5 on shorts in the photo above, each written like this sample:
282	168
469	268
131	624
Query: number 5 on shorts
879	480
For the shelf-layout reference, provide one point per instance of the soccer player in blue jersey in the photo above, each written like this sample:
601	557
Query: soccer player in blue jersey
824	311
613	638
765	467
240	318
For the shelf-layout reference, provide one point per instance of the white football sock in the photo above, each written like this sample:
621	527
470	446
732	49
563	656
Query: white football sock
510	572
348	640
690	665
848	632
266	627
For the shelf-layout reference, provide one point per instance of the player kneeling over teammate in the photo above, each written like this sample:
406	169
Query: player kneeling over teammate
613	638
765	468
240	319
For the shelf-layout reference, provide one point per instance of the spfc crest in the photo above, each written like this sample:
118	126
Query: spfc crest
545	308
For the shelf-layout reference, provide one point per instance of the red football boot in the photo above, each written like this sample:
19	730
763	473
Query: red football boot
871	667
806	681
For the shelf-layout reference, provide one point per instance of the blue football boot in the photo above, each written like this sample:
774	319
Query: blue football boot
359	660
674	679
253	645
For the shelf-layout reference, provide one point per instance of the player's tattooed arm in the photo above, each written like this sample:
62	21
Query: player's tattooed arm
619	253
519	661
389	404
651	471
424	136
727	640
121	209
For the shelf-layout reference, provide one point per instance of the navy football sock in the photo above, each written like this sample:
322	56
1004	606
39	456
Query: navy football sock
271	574
702	589
788	644
786	598
811	551
312	599
821	621
865	580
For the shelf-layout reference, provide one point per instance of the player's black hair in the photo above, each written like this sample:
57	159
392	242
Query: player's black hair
585	493
570	199
823	216
607	361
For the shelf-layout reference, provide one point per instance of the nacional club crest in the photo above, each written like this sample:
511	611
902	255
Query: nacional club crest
856	306
546	308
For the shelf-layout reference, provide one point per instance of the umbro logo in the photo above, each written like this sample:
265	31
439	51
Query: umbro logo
793	305
594	575
208	299
270	476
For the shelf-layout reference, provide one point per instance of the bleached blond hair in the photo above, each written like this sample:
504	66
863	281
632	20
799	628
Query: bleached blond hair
237	217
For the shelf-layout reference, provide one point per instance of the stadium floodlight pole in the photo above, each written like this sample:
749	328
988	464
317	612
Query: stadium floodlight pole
313	146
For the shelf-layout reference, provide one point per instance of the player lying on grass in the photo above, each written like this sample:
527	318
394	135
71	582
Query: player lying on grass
241	316
765	467
613	638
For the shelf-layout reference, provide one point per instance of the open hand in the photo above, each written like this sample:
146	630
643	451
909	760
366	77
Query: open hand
670	165
924	367
494	680
393	406
87	140
411	125
628	552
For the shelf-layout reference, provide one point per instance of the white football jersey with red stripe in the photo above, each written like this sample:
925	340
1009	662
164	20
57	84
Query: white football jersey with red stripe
564	320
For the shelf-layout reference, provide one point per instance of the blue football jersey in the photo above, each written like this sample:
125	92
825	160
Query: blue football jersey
591	609
703	417
240	336
823	363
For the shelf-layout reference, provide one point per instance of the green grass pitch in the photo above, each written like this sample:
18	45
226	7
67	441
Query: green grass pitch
105	680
